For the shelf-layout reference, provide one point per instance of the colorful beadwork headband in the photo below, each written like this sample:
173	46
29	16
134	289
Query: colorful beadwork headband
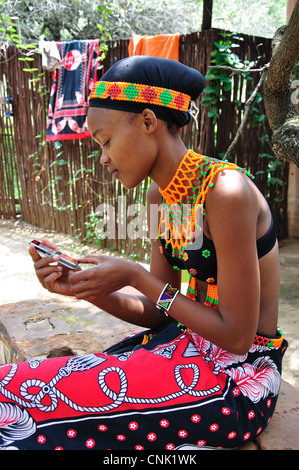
147	94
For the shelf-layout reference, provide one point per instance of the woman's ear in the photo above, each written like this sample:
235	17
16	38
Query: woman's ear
150	120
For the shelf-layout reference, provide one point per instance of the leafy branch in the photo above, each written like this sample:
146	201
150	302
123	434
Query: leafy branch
248	105
225	65
224	61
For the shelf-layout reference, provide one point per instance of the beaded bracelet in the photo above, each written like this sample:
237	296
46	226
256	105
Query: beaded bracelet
269	342
166	298
124	91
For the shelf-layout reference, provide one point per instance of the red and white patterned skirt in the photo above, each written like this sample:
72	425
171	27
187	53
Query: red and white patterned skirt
173	389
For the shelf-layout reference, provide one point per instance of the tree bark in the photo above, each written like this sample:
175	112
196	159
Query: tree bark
281	110
207	15
293	186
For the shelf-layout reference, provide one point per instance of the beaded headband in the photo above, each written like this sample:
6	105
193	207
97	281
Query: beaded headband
125	91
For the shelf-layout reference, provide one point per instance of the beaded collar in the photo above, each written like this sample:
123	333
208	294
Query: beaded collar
189	187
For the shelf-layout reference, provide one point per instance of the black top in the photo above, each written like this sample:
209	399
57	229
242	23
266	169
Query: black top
202	262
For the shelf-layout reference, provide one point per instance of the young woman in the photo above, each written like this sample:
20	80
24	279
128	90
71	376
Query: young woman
207	371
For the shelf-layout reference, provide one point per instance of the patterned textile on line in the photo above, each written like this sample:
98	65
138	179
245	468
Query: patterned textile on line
71	86
156	390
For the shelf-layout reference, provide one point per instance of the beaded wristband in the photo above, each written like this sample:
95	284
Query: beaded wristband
166	298
125	91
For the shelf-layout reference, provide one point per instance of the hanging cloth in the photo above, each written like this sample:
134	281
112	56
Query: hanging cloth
162	45
71	86
51	59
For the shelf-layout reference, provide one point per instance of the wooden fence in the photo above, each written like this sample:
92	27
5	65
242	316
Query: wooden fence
57	185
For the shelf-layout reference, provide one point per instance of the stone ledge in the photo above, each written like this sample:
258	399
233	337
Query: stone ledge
282	433
33	329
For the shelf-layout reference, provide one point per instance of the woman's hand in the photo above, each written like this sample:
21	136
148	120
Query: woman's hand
108	275
53	277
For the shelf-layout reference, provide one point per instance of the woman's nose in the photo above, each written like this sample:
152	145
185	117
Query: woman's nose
104	159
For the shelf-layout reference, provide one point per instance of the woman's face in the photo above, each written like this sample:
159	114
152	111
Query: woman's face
128	149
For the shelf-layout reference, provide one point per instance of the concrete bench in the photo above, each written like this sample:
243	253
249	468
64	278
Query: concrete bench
54	327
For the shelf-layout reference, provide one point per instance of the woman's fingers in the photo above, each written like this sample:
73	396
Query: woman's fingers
52	275
33	253
46	262
80	280
49	281
51	245
85	283
36	256
45	271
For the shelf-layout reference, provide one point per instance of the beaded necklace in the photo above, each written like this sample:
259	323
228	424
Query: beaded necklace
189	187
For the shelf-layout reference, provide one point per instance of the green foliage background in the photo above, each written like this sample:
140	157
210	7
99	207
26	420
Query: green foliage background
73	19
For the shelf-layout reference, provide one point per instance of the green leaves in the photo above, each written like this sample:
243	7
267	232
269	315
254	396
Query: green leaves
224	59
224	65
272	165
219	82
103	28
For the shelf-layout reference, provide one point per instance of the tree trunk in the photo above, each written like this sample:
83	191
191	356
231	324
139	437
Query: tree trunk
293	186
207	15
281	110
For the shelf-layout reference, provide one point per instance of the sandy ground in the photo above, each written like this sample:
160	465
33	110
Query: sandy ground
18	281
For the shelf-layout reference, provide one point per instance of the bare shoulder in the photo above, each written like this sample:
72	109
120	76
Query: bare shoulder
233	188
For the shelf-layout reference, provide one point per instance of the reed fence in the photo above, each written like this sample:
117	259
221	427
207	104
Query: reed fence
59	185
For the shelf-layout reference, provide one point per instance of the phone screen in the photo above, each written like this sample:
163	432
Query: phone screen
45	250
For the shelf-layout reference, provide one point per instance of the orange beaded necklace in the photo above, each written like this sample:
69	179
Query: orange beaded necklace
189	187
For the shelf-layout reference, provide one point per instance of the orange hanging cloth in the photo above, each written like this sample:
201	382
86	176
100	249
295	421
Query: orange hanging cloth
162	45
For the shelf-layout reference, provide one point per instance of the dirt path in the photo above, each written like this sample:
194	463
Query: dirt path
18	281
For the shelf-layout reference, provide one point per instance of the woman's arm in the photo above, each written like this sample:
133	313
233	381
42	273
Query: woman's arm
232	214
102	284
232	210
134	308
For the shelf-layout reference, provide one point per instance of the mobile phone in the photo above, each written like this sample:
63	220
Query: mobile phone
45	250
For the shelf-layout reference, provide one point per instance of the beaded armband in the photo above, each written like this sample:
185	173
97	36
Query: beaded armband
166	299
269	342
125	91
